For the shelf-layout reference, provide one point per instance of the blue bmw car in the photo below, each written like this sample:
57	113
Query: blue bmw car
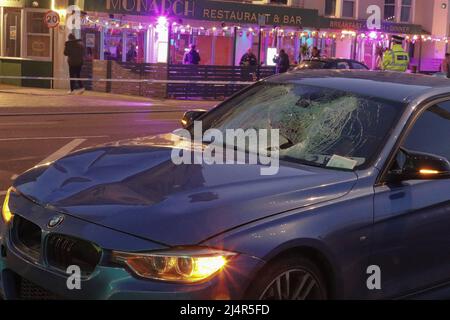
358	209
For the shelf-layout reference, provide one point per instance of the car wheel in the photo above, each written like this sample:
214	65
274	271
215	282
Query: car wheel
289	279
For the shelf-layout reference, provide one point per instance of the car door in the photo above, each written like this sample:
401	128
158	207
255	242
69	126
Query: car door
412	218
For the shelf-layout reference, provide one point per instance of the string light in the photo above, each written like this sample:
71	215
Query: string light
105	23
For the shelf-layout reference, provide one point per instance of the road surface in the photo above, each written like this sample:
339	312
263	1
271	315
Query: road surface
38	126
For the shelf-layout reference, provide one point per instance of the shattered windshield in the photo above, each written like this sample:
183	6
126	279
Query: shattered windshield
317	126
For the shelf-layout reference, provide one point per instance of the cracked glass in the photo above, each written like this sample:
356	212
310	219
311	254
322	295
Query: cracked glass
316	124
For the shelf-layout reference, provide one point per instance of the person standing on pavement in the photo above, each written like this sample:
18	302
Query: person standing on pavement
249	59
446	65
379	60
74	50
248	62
396	59
282	61
192	57
131	53
315	53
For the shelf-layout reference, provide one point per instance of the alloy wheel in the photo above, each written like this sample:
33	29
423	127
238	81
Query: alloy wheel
295	284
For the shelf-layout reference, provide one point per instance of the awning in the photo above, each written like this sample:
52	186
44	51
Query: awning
220	11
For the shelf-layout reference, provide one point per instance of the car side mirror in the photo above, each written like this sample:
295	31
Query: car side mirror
421	166
191	116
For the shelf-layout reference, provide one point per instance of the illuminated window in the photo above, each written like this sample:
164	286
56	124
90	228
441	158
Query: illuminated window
389	10
162	42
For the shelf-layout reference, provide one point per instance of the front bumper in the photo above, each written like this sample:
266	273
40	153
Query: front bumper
108	281
116	283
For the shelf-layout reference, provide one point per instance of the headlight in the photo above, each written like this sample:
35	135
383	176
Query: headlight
183	265
6	213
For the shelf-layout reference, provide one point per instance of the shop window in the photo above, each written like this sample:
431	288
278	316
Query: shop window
12	32
38	36
135	46
91	40
179	46
214	45
113	46
348	8
330	7
389	10
288	44
405	15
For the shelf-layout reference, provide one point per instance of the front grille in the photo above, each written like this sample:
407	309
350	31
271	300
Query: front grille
58	251
26	237
30	291
64	251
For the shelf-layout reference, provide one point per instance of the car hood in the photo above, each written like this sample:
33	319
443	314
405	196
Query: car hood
134	187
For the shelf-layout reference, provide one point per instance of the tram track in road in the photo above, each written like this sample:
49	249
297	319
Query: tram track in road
88	113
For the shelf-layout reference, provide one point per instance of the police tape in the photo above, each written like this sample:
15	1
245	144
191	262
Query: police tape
146	81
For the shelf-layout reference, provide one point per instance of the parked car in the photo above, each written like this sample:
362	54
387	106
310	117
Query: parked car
359	209
331	63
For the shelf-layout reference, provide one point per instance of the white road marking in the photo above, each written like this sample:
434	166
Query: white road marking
42	123
63	151
51	138
153	120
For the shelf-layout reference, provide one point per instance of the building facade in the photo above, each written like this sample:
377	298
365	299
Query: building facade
159	32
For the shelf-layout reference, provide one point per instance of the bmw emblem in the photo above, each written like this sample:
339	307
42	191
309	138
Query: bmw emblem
55	221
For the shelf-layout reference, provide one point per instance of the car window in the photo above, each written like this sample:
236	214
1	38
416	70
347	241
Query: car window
315	124
358	66
311	64
343	65
431	132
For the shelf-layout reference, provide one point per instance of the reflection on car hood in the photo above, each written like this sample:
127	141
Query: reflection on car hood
134	187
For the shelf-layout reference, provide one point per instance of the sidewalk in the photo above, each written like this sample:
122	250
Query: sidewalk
14	99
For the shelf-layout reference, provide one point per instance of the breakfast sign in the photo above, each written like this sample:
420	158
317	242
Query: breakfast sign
361	25
220	11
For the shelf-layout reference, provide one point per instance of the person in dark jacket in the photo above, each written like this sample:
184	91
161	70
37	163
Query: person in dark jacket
249	59
315	53
192	57
74	50
282	61
132	53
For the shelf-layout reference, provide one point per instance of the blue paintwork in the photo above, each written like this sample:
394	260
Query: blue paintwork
129	196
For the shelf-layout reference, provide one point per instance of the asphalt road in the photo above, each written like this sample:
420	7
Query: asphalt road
40	127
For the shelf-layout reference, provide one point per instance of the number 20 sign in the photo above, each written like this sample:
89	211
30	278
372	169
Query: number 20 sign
52	19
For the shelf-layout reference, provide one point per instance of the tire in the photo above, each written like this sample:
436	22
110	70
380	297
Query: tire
306	281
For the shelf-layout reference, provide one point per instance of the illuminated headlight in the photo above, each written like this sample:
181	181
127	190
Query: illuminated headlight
6	212
183	265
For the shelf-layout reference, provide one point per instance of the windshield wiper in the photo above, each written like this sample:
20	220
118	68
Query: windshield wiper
303	162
